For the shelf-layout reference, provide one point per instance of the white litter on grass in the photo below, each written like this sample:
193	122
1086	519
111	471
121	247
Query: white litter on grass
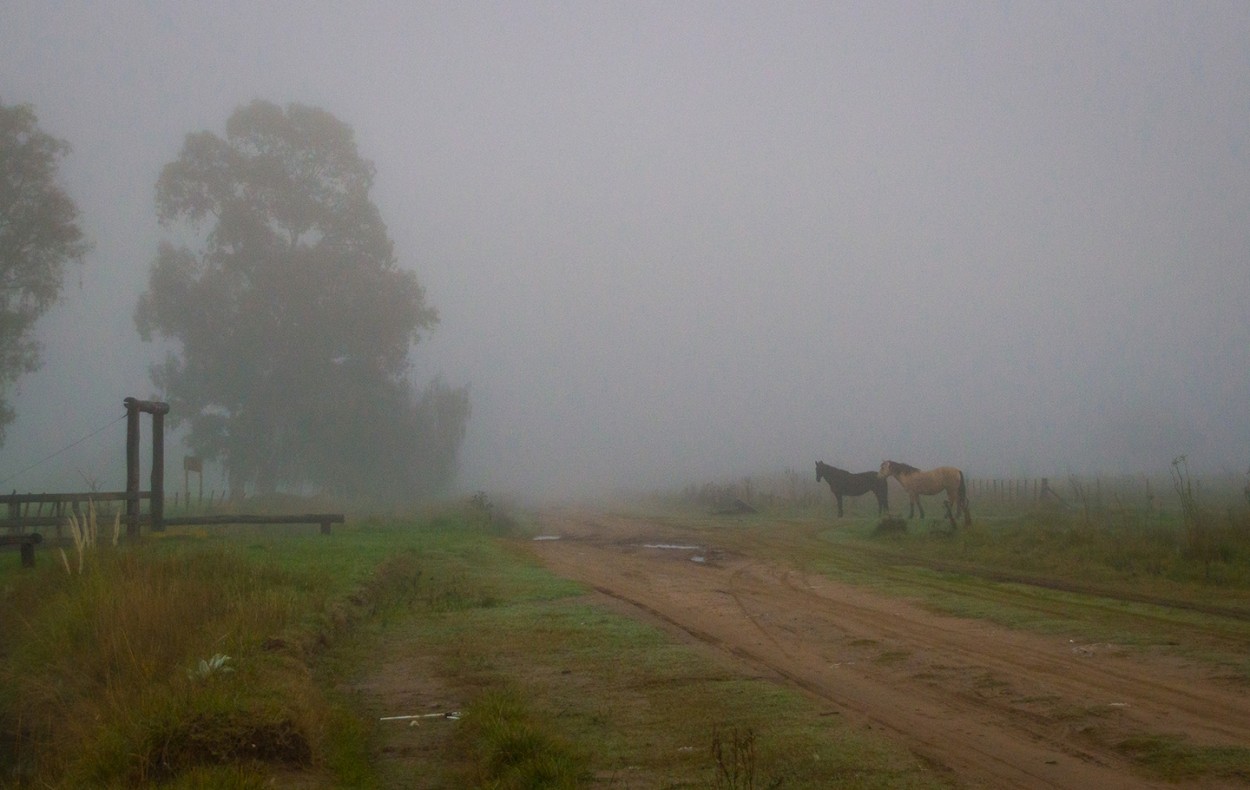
698	558
670	546
546	537
450	716
1089	650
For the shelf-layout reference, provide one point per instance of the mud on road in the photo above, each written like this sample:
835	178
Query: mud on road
989	706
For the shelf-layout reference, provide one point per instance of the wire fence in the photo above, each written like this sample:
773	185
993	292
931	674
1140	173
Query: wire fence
1145	493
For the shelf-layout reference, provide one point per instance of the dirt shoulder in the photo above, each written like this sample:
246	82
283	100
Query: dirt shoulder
991	706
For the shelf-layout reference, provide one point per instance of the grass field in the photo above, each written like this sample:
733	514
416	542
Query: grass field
227	659
232	657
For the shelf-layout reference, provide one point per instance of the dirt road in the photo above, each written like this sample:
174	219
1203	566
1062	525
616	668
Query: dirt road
993	707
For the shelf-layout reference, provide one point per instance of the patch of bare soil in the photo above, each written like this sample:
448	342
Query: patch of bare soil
990	706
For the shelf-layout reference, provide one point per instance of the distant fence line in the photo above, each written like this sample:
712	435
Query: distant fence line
1101	490
800	489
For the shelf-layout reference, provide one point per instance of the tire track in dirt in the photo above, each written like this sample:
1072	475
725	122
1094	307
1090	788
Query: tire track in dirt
995	708
877	665
1207	713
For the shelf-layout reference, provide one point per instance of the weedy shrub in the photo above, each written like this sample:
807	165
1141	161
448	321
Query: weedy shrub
734	756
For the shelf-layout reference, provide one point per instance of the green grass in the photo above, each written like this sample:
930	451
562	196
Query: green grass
1172	759
624	703
1149	557
616	700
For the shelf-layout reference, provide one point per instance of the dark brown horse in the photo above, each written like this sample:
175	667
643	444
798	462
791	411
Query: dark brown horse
843	483
933	481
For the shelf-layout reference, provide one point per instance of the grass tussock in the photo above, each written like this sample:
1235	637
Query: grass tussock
511	747
889	526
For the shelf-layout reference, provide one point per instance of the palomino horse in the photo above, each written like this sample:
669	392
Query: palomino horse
843	483
934	481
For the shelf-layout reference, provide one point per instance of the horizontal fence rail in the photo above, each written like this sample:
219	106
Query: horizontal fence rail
19	507
218	519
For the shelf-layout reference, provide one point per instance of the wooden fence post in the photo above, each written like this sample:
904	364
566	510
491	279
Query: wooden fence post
132	468
157	505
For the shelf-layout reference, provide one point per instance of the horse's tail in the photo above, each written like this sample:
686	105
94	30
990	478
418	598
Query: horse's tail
963	498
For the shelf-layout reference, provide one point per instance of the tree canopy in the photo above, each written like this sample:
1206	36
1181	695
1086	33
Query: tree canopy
39	234
293	321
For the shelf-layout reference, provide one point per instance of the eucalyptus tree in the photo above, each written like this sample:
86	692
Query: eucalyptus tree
39	234
292	322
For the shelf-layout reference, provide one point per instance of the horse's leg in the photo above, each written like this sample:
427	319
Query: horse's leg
919	505
839	498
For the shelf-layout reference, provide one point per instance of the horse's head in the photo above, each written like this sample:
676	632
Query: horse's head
887	469
820	471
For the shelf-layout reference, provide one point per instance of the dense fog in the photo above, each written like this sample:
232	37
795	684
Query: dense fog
682	242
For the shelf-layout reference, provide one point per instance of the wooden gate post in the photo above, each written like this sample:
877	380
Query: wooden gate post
158	410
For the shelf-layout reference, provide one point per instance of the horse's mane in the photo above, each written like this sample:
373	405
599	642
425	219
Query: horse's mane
904	468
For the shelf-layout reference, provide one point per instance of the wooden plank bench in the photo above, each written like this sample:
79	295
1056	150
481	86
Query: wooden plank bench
27	544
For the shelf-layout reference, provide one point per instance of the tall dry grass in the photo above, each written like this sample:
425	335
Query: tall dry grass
98	683
86	534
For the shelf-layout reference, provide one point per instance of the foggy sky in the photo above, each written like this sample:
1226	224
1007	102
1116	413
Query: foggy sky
677	242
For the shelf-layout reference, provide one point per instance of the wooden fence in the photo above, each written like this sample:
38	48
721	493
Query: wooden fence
59	507
20	519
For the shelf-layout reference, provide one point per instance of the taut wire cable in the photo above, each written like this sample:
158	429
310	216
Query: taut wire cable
63	449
